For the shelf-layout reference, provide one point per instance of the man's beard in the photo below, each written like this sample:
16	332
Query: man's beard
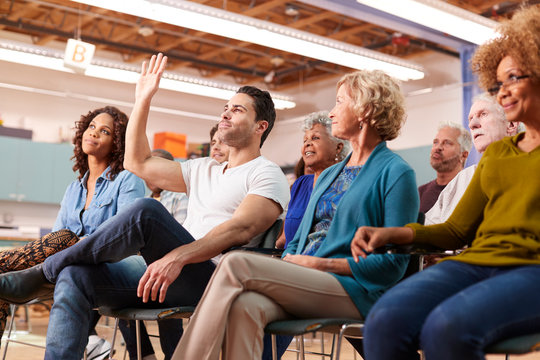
234	138
446	165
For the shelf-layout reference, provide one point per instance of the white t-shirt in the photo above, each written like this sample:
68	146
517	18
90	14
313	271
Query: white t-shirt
449	197
214	195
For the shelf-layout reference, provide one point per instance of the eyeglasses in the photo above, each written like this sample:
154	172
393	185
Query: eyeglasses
511	81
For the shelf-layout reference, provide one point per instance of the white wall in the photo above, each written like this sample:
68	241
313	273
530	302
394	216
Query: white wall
424	114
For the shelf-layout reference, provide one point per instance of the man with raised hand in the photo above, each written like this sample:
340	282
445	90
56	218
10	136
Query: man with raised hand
229	204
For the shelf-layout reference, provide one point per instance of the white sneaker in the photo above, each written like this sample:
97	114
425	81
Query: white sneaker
97	348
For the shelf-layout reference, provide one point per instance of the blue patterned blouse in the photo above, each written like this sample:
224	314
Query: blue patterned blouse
327	206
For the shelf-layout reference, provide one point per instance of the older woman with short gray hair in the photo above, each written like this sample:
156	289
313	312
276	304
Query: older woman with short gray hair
320	150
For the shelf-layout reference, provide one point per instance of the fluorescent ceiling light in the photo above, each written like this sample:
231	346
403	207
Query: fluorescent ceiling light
101	100
440	16
54	60
227	24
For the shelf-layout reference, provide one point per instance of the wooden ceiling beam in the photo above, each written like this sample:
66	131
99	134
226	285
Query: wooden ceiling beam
258	9
21	12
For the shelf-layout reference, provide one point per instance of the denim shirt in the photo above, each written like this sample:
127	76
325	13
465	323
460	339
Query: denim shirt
109	198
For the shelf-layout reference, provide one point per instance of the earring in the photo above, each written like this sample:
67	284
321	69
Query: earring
336	159
361	125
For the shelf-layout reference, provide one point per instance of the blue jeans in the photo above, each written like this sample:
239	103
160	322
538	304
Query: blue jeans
453	311
99	271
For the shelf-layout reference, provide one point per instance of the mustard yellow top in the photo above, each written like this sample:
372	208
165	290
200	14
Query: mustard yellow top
499	213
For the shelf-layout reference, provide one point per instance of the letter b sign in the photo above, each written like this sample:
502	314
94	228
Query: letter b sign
78	55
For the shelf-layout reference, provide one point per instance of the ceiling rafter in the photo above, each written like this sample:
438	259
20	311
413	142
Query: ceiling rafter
51	22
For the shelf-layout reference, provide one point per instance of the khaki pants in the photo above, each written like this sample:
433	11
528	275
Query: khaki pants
248	291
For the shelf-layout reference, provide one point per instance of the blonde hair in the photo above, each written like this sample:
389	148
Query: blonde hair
520	39
377	98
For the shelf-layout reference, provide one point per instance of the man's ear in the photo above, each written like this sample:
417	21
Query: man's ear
464	156
262	125
511	128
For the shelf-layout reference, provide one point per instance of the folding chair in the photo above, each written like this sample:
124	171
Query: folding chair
296	327
138	314
10	338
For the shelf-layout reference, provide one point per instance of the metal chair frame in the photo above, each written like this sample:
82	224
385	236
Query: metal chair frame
336	326
141	314
11	326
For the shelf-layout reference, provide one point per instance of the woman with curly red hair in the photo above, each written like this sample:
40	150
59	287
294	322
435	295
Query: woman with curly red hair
102	188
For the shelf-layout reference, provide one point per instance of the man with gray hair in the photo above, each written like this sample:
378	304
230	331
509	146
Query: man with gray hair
488	124
450	149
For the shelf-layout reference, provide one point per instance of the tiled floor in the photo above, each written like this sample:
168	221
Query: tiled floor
39	317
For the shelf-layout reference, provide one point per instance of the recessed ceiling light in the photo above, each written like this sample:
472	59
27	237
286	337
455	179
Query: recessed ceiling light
291	10
145	31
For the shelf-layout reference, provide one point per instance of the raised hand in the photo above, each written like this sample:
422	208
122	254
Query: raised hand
151	73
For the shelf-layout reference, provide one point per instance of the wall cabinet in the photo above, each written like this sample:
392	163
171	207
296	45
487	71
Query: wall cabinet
33	171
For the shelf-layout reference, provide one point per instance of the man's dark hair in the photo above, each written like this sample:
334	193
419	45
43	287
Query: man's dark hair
162	153
213	131
264	107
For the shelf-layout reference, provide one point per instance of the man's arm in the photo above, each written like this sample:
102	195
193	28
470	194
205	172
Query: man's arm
253	216
162	173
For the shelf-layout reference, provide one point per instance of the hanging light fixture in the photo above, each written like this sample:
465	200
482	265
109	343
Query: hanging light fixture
441	16
235	26
51	59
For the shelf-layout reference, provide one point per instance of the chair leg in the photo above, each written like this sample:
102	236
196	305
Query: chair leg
13	309
333	346
302	352
274	347
339	341
322	345
116	322
138	332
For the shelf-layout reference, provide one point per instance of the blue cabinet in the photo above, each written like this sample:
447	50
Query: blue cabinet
34	172
9	165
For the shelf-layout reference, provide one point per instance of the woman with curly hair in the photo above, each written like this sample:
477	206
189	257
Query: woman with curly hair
489	292
103	187
317	274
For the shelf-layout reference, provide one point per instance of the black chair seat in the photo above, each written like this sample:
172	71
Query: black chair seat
516	345
302	326
179	312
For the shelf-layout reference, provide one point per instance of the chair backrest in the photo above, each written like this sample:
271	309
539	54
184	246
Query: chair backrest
271	235
265	242
266	239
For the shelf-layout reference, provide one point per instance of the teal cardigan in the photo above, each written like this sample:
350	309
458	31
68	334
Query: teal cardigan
383	194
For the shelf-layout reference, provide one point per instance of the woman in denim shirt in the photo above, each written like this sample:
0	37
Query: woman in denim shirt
101	190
